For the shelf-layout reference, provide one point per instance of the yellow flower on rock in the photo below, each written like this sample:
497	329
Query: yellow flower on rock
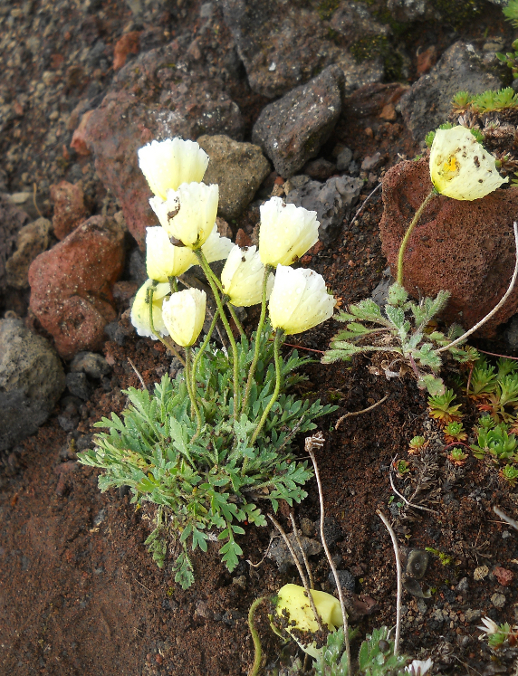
140	309
242	277
287	232
183	314
167	164
460	167
189	213
299	300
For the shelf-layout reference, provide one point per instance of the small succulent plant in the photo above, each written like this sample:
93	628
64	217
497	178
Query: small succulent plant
442	409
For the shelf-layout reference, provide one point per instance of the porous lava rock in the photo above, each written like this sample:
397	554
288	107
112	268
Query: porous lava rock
31	381
464	247
69	207
71	284
163	93
293	129
285	44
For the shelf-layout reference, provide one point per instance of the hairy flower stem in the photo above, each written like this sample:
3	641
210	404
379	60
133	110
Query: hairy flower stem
258	653
191	392
169	343
202	349
260	325
236	320
276	355
211	280
410	228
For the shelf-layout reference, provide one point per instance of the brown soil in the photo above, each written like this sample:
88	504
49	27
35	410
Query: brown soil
79	594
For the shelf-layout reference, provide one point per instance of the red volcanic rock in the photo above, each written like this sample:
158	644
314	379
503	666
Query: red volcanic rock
71	285
69	207
464	247
78	142
127	44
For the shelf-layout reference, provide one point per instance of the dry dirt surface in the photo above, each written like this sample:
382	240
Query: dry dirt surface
79	594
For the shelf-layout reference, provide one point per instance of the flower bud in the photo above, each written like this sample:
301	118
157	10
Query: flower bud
292	600
299	300
184	314
287	232
140	309
189	213
167	164
242	277
460	167
163	260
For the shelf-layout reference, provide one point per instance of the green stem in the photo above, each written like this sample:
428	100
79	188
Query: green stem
210	278
277	358
258	653
191	392
202	349
173	284
236	320
168	344
410	228
258	335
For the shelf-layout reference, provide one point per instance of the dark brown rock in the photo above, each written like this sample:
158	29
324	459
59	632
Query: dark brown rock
71	285
464	247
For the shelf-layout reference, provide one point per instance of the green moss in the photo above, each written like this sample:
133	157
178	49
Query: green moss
369	47
372	46
326	8
457	12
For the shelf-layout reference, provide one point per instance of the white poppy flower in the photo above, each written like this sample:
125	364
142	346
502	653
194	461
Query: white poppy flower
189	213
299	300
460	167
140	309
242	277
183	314
167	164
216	248
287	232
163	259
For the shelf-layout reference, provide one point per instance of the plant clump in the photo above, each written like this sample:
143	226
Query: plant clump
209	446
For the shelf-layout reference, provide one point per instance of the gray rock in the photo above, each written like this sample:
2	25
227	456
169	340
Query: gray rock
32	240
498	600
331	200
237	168
293	129
78	385
372	162
91	363
12	218
284	44
428	102
346	579
344	159
280	553
411	10
31	381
